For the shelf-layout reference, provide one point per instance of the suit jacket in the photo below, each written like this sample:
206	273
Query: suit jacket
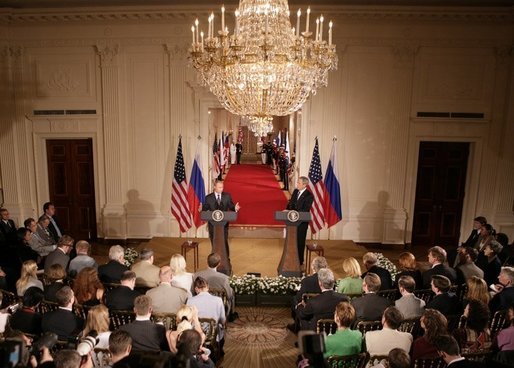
381	342
51	289
8	229
53	230
121	298
63	323
27	321
111	272
147	336
218	280
79	262
167	298
410	306
440	269
466	364
45	236
502	300
309	284
446	303
226	204
321	306
147	274
302	204
210	306
466	270
370	307
40	246
472	240
57	257
386	282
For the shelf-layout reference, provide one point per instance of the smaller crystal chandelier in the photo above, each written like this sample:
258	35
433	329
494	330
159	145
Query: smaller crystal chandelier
265	68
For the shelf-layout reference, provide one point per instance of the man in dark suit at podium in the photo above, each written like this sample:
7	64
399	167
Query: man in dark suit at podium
219	200
301	201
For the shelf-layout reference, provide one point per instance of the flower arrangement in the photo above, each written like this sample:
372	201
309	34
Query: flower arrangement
387	264
131	255
250	284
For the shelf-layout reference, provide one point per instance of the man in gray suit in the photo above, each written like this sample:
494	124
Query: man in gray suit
217	279
60	255
409	305
82	260
166	298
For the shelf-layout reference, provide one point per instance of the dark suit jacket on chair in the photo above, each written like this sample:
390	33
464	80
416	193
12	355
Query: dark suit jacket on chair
446	303
8	230
121	298
440	269
62	322
147	336
386	281
370	307
111	272
321	306
309	284
57	256
502	300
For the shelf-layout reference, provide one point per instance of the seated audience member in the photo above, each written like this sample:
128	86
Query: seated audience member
42	232
87	287
477	290
62	321
120	346
408	267
60	255
370	306
352	282
82	260
217	279
474	237
187	319
181	278
397	358
487	235
23	248
491	265
445	302
381	342
310	284
112	271
448	349
7	226
71	359
321	306
437	257
434	324
147	274
165	297
146	335
505	341
345	341
56	275
26	319
123	296
98	320
208	306
28	278
36	243
467	267
370	261
504	294
409	304
475	336
190	351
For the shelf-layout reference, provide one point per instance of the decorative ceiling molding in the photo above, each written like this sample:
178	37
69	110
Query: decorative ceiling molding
160	13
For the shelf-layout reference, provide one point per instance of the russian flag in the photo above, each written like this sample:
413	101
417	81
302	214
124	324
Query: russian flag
196	190
333	212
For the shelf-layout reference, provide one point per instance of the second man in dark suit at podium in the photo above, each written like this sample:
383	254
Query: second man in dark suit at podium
301	201
219	200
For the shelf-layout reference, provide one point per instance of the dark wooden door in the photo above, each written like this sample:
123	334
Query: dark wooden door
71	185
441	181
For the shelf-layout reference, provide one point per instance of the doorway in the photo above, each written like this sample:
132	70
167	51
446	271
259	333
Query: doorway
440	189
71	186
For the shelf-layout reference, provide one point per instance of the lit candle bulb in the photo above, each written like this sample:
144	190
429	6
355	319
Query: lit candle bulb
307	20
196	24
212	27
222	18
236	31
330	33
321	28
298	15
293	30
201	35
317	29
193	31
210	24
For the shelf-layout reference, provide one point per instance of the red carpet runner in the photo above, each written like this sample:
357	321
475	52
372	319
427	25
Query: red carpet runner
258	193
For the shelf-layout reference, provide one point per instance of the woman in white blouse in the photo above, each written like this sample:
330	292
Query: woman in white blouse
28	277
181	278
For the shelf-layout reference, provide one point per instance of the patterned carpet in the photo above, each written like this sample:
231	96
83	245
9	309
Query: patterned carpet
260	339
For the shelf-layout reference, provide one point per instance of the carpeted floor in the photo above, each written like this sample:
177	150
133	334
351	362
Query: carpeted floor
258	192
259	339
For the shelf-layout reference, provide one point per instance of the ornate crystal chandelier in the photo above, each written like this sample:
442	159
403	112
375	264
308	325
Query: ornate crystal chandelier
265	68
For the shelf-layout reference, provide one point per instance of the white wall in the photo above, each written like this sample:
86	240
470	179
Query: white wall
132	68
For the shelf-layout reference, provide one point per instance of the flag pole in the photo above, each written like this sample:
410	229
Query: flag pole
196	229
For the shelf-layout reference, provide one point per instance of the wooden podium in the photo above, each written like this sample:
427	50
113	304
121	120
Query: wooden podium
289	265
218	219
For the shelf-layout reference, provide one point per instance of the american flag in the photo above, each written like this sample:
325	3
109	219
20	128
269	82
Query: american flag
179	204
317	189
215	158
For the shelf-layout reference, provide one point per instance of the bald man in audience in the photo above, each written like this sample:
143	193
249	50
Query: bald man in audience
82	260
166	298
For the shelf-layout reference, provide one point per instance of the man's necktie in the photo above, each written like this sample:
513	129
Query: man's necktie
218	199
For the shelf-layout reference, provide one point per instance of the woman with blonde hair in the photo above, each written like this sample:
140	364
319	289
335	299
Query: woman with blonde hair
477	290
87	287
352	282
180	278
28	277
408	267
98	320
187	319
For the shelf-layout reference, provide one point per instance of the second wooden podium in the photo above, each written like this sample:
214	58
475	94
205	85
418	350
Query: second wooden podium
289	265
218	219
